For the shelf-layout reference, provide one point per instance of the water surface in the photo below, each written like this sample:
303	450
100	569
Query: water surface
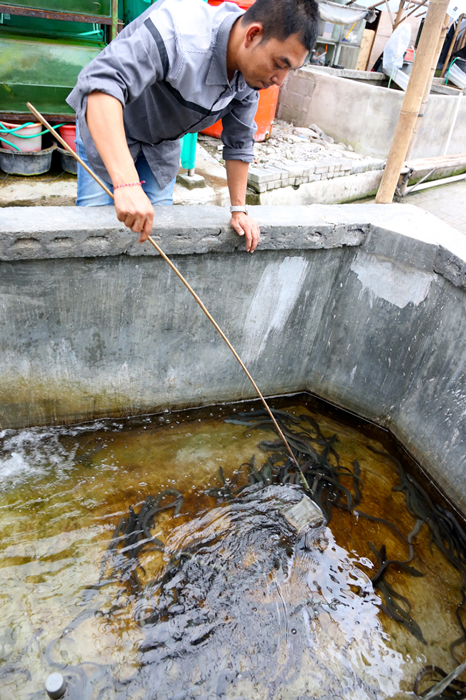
237	604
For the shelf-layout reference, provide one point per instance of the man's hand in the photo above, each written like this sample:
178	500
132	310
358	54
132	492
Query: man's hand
104	117
134	209
245	226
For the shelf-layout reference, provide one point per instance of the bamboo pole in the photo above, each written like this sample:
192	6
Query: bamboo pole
420	75
416	8
399	14
43	121
372	7
392	22
427	88
462	40
453	41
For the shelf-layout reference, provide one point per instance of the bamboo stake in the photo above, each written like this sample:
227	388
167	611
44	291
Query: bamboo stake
420	74
427	89
462	40
390	14
453	41
372	7
399	14
416	8
186	284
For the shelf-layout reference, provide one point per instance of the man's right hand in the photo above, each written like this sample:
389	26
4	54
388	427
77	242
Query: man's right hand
104	117
133	208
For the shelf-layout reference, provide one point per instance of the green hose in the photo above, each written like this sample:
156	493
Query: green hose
10	144
4	130
448	71
391	76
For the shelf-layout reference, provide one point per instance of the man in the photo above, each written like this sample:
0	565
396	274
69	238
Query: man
177	69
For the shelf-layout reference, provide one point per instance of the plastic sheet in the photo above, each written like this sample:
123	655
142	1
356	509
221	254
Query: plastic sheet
339	14
395	48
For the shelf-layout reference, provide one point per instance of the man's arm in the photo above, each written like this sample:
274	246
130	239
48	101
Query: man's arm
244	225
104	117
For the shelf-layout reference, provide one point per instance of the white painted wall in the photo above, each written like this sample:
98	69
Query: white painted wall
365	115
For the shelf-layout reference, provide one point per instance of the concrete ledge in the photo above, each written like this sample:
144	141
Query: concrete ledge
361	304
56	232
72	232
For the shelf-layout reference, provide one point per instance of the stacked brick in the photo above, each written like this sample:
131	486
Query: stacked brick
262	179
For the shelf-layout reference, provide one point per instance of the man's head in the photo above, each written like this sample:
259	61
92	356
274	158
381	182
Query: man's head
277	35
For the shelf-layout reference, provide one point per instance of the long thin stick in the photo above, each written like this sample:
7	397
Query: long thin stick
186	284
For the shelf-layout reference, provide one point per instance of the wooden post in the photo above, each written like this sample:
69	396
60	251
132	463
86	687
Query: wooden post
453	41
427	88
420	74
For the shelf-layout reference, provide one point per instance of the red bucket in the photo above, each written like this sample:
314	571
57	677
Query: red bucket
68	134
409	55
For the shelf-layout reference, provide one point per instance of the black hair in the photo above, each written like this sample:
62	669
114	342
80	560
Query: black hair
282	18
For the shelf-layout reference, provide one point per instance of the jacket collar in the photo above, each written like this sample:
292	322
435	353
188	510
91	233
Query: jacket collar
217	74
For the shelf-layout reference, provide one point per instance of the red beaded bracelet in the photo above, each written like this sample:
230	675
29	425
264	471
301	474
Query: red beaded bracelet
130	184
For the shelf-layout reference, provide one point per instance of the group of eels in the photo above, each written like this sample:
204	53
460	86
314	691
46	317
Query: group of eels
131	537
319	463
445	531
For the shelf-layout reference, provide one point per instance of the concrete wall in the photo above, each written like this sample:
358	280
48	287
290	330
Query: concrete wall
363	305
366	116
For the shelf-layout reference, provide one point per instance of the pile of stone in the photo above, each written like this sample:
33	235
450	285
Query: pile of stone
296	155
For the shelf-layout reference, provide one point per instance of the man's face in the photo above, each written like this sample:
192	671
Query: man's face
267	63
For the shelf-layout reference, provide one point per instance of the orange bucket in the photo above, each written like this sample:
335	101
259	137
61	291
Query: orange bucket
267	98
244	4
264	116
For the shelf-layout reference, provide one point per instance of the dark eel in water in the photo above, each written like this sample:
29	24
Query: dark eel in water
132	536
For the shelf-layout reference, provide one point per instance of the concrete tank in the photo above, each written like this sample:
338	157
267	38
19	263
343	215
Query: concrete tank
363	305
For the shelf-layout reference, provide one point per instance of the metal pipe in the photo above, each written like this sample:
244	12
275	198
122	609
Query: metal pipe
114	25
436	183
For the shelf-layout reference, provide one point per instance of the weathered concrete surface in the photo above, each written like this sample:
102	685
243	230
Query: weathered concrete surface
332	191
48	190
366	116
362	305
62	232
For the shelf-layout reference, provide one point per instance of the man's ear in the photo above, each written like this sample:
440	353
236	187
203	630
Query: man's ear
253	34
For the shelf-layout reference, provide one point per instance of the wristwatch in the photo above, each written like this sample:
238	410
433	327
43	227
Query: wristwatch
242	207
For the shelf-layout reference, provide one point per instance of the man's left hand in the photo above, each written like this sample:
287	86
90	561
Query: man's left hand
245	226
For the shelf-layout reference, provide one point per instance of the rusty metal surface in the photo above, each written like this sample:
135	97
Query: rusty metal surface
48	14
27	117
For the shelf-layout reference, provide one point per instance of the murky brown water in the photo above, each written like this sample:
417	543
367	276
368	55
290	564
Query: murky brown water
251	611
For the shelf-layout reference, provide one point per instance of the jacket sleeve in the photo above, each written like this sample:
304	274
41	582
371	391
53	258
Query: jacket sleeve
239	128
123	69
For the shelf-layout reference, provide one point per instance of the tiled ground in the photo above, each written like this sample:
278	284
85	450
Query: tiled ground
448	202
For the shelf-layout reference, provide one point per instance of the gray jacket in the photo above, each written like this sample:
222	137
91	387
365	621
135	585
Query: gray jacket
168	69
